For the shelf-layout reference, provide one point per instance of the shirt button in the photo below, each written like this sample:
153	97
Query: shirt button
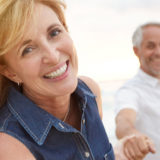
86	154
106	157
83	121
60	124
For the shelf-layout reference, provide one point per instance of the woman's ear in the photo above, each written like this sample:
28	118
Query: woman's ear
8	73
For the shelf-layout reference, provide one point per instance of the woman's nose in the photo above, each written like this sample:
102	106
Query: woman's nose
50	55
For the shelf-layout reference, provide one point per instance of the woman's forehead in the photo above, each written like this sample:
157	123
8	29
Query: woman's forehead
43	18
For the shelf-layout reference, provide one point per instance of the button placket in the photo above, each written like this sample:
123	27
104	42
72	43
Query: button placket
83	121
84	147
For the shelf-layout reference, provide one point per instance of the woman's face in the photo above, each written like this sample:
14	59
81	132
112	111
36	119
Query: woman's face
45	61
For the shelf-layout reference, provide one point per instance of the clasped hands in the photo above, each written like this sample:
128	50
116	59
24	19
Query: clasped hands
134	147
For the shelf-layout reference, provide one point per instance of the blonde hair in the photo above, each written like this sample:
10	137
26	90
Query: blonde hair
14	16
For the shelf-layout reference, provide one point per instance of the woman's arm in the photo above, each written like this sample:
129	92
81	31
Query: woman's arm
12	149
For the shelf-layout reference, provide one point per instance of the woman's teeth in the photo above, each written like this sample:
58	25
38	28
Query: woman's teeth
57	73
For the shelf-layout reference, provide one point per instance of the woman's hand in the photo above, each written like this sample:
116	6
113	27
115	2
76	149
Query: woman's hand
134	147
119	150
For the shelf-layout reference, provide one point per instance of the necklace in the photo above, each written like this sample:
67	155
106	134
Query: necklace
66	115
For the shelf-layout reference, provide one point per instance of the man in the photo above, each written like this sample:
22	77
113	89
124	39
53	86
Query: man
138	100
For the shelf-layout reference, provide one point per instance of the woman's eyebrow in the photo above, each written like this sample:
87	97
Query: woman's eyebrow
48	29
52	26
24	43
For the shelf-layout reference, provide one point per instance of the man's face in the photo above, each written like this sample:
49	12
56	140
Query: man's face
149	51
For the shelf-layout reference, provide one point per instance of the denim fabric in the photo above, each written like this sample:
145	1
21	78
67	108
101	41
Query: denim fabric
48	138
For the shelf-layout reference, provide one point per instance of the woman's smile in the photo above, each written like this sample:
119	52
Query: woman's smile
59	73
49	55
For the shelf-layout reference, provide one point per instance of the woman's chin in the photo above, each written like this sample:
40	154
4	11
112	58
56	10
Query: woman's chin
65	88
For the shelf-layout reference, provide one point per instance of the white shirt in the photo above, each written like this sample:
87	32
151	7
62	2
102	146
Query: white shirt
142	94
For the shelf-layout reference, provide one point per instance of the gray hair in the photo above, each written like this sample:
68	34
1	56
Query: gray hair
138	33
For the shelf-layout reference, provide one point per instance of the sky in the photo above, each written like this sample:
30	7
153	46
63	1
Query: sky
102	31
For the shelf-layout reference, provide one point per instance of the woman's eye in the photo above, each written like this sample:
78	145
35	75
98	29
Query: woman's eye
27	50
54	32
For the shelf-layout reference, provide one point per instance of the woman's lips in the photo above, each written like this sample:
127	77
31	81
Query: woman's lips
57	73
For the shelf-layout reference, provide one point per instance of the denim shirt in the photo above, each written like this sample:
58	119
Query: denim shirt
48	138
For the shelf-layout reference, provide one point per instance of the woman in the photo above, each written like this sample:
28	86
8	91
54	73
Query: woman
47	113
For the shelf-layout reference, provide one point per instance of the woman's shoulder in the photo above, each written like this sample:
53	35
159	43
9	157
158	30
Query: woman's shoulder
11	148
92	84
94	87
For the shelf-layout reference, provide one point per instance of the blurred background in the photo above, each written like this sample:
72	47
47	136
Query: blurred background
102	31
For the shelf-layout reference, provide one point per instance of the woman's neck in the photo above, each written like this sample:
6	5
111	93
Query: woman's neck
57	106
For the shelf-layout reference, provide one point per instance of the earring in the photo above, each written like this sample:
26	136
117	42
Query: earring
19	84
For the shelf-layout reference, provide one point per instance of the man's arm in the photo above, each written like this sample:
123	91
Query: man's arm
125	121
136	144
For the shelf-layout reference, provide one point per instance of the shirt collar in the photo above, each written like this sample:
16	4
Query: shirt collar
83	91
27	112
153	81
